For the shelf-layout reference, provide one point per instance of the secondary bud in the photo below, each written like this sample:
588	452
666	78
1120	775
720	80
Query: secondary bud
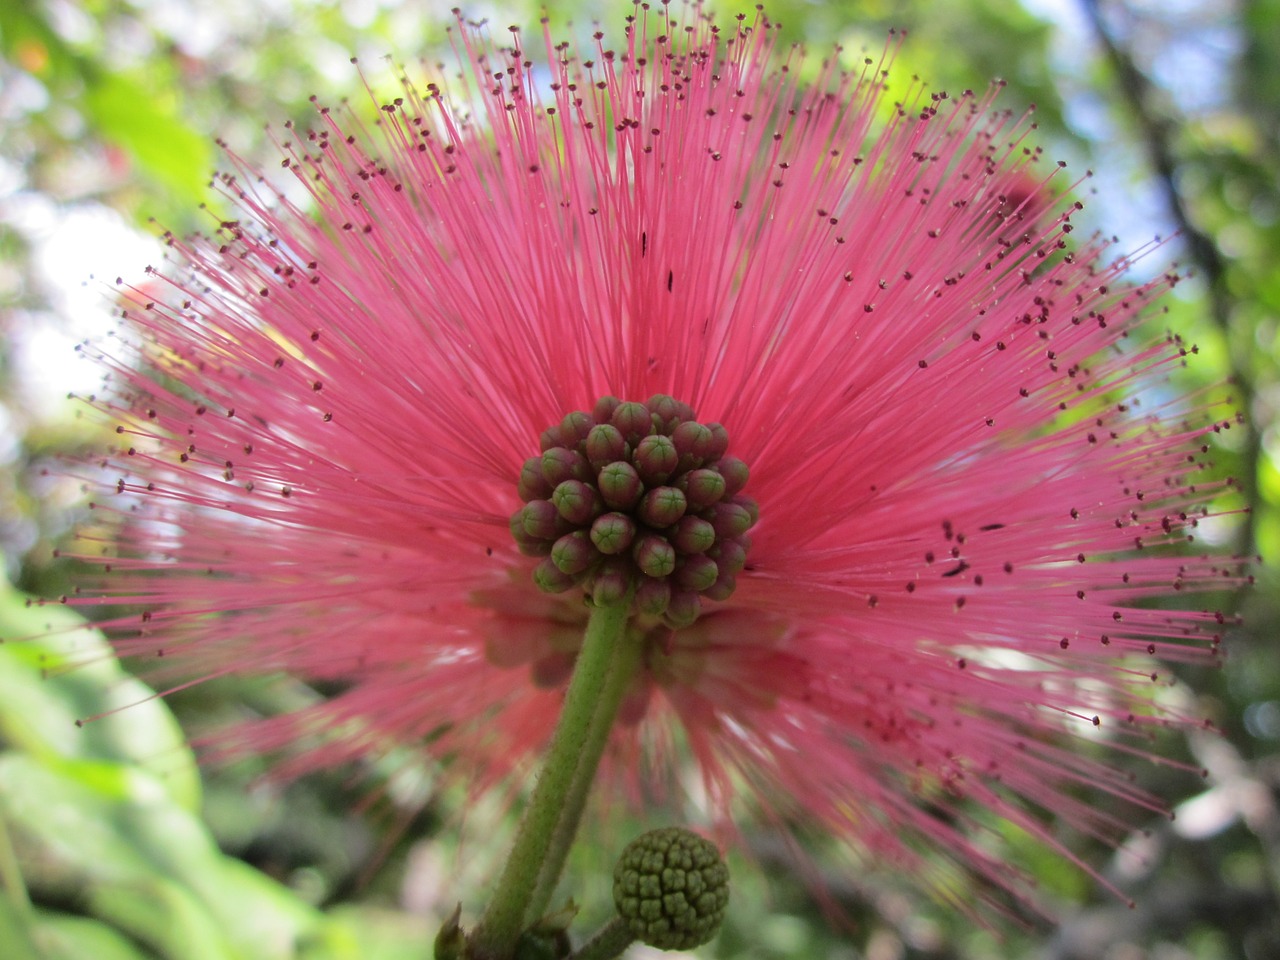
672	888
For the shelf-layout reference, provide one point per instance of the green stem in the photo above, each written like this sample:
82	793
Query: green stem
609	942
604	666
621	671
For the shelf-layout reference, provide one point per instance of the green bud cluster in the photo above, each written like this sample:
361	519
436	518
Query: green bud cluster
636	496
671	887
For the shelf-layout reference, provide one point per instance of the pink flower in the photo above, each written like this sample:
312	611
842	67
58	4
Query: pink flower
969	479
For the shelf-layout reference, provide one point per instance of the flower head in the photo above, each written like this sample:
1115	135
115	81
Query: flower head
329	428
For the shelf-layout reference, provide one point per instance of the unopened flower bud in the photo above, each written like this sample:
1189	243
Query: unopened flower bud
672	888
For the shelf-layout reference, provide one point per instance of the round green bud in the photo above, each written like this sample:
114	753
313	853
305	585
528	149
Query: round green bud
729	519
723	588
575	426
696	573
604	408
576	501
671	887
652	597
669	410
529	545
561	463
541	519
704	487
661	507
654	556
692	535
735	473
573	553
550	437
719	442
692	441
730	555
620	485
549	578
683	610
605	444
633	420
613	532
532	484
612	582
656	458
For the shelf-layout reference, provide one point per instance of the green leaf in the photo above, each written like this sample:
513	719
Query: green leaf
164	916
63	937
141	118
15	931
49	685
110	835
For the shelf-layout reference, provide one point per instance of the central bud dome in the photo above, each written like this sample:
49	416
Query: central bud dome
636	496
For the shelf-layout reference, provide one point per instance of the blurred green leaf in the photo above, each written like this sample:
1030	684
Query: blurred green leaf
49	686
143	121
63	937
103	817
15	931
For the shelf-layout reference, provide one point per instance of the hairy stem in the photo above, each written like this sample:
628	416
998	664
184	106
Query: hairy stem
605	664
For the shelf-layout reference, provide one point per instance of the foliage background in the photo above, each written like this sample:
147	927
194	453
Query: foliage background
111	846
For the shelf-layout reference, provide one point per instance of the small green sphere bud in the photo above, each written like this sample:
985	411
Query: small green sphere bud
633	420
654	556
605	444
561	463
729	519
729	555
692	441
549	438
576	501
695	573
661	507
620	485
704	487
719	442
542	520
735	473
532	484
612	582
613	532
574	427
656	458
529	545
652	597
604	408
692	535
573	553
668	412
683	610
723	588
551	579
671	887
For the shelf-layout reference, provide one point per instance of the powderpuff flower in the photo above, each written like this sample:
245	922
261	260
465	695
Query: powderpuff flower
966	479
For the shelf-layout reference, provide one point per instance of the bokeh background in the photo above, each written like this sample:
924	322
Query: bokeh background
115	846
